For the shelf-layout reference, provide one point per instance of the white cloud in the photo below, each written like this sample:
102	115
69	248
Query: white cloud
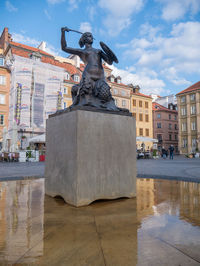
53	2
10	7
146	79
85	27
47	14
91	12
178	52
17	37
176	9
119	14
73	4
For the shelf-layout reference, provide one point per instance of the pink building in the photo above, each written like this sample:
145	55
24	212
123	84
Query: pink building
165	126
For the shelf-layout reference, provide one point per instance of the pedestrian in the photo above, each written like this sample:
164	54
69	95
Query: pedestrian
164	155
171	152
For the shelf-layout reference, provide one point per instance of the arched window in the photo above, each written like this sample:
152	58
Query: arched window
67	76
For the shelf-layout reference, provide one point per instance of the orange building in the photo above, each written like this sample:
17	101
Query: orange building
4	86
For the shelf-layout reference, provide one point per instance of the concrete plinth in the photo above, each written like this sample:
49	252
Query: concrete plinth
90	156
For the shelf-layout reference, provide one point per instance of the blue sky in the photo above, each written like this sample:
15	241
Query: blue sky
157	42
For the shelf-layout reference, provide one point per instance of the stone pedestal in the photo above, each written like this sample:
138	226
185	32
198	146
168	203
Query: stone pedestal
90	155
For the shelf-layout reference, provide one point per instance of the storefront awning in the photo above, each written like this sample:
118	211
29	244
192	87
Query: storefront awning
38	139
146	139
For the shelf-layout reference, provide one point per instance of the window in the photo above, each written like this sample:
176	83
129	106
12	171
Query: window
1	119
183	99
2	99
170	117
193	125
115	91
76	78
134	102
1	61
147	118
175	136
140	103
2	80
134	115
158	115
158	125
141	117
175	127
194	142
123	93
118	81
146	105
184	126
65	91
67	76
65	105
184	143
112	79
159	137
183	111
147	132
175	117
123	103
170	126
193	109
170	137
192	97
141	131
116	102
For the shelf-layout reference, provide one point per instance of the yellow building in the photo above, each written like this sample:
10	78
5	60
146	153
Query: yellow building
188	102
141	107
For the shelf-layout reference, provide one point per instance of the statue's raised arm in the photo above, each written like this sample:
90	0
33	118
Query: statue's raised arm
64	43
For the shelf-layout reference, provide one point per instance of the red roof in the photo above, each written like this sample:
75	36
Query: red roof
194	87
24	51
159	107
30	48
141	94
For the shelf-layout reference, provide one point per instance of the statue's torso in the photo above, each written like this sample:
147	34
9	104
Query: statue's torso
92	59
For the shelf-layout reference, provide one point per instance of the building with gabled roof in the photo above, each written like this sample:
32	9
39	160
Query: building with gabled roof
39	84
188	101
141	107
165	126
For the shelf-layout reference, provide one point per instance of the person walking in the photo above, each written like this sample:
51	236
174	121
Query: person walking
171	152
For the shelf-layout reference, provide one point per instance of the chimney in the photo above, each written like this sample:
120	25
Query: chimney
42	46
5	39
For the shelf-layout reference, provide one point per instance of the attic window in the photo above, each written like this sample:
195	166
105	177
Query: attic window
118	80
76	78
112	79
35	56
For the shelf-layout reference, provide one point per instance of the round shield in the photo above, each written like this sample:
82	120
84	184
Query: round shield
109	53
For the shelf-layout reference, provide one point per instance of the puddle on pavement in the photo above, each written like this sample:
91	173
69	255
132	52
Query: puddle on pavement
159	227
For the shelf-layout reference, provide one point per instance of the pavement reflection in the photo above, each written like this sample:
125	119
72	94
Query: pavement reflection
159	227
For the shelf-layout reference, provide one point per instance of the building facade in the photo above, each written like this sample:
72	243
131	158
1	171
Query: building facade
141	107
40	85
4	88
189	119
165	126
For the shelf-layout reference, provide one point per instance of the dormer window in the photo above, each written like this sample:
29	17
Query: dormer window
36	56
76	78
112	79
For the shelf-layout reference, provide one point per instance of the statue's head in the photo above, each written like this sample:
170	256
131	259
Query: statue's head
86	38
